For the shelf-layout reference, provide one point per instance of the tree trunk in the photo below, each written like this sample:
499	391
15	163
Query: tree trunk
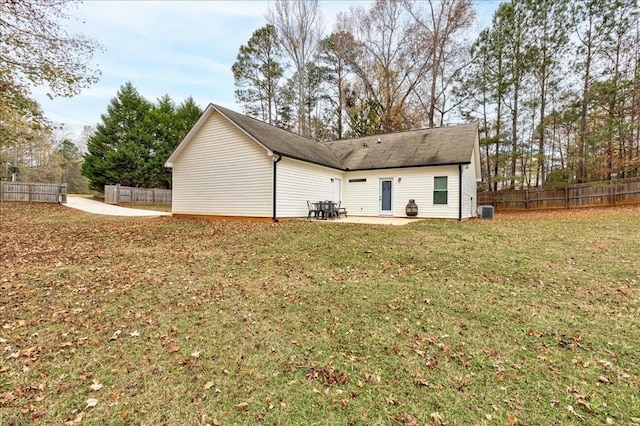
582	137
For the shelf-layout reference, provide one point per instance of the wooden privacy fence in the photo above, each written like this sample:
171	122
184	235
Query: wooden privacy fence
592	194
116	194
33	192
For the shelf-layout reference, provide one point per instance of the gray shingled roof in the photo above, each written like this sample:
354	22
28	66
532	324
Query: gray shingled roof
283	142
429	147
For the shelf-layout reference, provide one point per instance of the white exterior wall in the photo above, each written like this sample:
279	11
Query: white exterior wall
298	182
362	198
469	189
223	173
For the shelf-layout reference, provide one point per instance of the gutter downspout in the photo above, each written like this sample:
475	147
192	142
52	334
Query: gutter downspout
275	162
459	192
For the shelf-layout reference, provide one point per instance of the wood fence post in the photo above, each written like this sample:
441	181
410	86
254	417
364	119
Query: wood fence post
613	194
526	199
30	186
566	197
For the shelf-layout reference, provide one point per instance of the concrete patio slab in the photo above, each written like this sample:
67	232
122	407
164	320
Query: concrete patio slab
371	220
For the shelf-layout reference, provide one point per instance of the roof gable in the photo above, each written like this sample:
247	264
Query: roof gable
283	142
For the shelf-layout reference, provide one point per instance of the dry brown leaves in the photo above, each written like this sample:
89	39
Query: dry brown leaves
566	213
328	377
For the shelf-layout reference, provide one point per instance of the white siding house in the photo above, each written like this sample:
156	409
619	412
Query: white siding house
363	192
233	165
223	173
469	185
299	182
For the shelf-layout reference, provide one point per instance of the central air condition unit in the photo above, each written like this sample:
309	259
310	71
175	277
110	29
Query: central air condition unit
485	212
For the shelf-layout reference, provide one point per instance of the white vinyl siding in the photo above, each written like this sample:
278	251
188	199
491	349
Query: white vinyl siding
222	173
469	189
299	182
362	198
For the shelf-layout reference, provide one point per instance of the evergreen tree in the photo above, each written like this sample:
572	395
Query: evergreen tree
550	39
162	126
336	53
169	124
188	113
120	147
136	138
591	19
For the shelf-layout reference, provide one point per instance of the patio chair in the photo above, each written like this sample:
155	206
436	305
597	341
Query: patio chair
325	210
314	209
340	210
332	210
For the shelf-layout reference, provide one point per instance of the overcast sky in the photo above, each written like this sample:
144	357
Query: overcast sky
179	48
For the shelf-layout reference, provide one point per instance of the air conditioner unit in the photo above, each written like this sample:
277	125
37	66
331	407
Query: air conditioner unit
485	212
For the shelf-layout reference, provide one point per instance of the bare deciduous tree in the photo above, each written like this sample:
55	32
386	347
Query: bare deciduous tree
299	26
391	61
443	21
35	49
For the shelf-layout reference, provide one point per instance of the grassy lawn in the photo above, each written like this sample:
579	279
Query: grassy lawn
529	319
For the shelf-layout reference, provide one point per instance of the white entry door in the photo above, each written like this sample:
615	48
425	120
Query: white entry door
386	192
337	190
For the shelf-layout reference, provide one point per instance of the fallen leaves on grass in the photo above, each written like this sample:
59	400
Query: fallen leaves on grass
604	379
166	279
437	420
391	400
327	376
77	420
409	420
573	411
604	363
584	404
373	377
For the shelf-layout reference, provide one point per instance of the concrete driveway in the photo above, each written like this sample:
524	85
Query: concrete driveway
96	207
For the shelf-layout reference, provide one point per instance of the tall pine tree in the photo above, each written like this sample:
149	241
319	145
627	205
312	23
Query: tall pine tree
257	73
